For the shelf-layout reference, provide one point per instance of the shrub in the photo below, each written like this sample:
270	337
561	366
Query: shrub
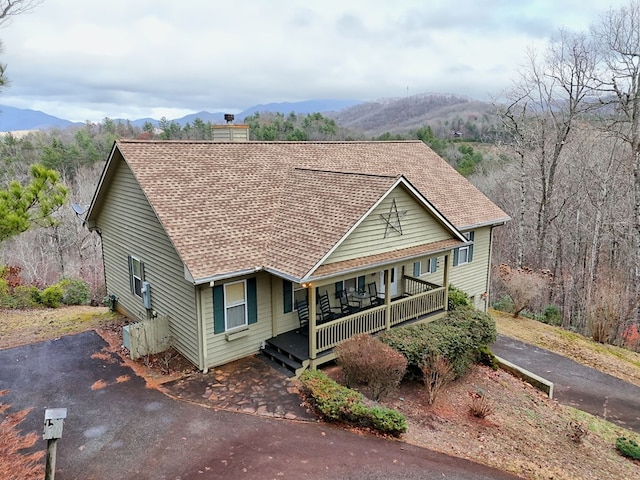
436	373
5	299
552	315
25	297
479	325
75	292
457	298
577	431
481	406
365	359
627	447
486	357
505	304
336	403
52	296
457	338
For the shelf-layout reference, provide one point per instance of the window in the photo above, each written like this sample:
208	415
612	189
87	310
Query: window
464	255
136	275
428	266
350	285
299	294
235	305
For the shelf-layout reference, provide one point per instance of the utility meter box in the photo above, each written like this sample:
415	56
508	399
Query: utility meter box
146	295
53	420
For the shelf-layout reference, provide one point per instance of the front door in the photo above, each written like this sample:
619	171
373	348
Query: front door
393	287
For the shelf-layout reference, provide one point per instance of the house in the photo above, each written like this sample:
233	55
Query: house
228	240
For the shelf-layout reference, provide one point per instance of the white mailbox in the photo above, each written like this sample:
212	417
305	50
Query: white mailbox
53	420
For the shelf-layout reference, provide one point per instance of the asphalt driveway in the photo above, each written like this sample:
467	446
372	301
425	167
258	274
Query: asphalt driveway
117	428
576	385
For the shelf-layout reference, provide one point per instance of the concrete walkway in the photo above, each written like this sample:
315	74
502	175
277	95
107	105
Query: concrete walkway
574	384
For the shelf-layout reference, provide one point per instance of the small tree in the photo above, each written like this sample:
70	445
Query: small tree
523	285
24	205
436	373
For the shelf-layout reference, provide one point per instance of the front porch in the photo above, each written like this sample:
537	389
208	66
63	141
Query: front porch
298	349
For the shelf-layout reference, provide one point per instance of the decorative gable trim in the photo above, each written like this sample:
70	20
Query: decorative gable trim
401	180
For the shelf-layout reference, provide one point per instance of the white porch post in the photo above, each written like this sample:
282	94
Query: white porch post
311	295
387	298
447	268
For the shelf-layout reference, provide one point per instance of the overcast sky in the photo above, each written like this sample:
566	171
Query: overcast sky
86	60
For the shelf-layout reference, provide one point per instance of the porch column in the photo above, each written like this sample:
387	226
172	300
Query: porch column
447	268
311	295
387	298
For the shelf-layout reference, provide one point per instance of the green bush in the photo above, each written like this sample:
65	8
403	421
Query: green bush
486	357
75	292
336	403
25	296
627	447
366	360
505	304
479	325
457	298
552	315
52	296
457	338
5	299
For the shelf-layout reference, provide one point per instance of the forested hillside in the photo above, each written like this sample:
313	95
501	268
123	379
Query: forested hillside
560	153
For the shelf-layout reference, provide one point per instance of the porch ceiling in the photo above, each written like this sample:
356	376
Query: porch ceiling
381	259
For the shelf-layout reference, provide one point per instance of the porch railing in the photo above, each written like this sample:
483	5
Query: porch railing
414	286
415	306
373	320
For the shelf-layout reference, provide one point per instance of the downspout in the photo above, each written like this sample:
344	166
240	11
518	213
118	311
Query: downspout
485	295
202	331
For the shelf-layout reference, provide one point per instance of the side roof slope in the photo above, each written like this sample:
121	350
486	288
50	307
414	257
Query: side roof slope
230	207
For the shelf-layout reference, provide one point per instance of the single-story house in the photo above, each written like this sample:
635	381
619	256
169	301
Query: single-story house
237	242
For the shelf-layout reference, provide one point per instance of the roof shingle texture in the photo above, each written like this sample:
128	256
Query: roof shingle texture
229	207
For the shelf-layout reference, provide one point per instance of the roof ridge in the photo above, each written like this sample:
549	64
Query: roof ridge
376	175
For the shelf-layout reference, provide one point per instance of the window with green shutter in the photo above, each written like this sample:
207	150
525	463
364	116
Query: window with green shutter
235	305
464	255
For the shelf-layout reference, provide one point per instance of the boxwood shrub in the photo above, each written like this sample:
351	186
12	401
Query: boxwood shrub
628	447
458	337
336	403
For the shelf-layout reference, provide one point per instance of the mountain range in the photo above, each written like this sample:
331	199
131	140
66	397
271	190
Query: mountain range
13	119
450	113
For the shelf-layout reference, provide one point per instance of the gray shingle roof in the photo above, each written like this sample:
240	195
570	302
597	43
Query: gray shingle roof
229	207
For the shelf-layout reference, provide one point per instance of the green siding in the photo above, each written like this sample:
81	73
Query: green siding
130	227
219	350
471	277
418	227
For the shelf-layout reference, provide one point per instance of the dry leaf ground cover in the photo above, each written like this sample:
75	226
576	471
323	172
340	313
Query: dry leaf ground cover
526	434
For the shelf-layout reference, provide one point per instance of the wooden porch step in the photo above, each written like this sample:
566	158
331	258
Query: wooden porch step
292	365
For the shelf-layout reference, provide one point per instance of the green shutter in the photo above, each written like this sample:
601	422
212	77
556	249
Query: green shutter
339	287
471	235
252	300
416	269
361	281
131	287
287	295
455	257
218	309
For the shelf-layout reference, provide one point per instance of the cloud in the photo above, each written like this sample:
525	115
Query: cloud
87	60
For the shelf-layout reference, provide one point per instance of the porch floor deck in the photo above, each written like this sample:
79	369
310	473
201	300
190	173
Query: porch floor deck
296	344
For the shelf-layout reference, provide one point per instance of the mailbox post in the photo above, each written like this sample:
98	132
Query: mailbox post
53	420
